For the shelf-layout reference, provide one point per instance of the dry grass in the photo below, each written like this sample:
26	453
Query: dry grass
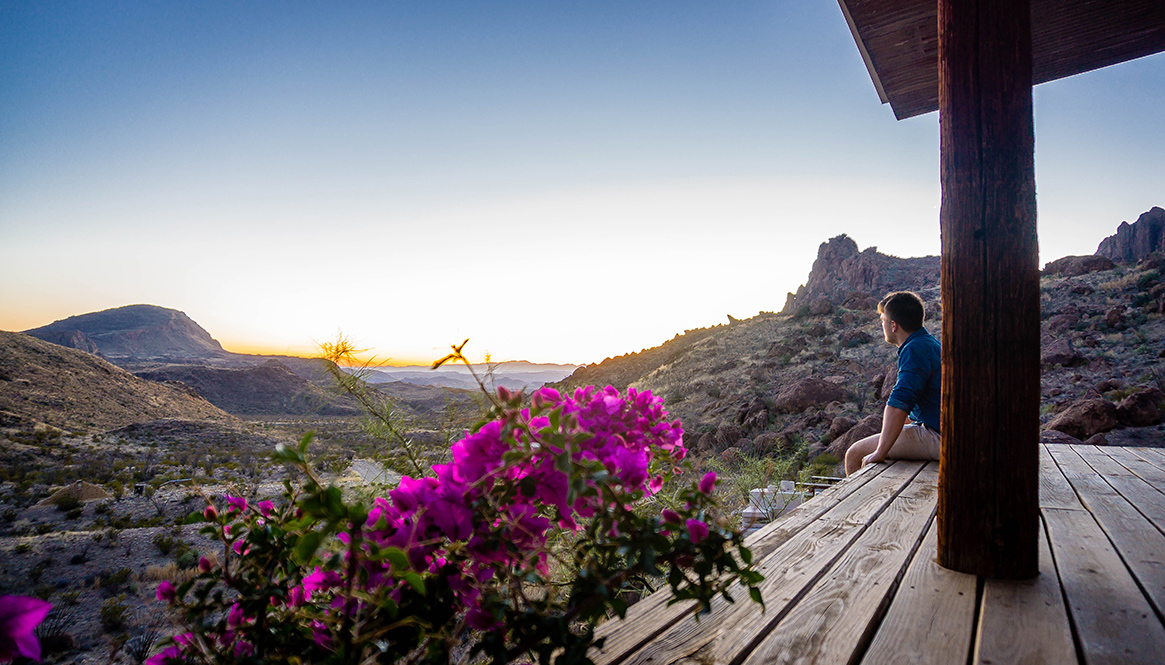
171	572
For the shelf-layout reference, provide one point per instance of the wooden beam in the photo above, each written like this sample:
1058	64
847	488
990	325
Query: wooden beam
989	482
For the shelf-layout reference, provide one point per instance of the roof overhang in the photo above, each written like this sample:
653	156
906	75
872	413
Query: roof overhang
898	40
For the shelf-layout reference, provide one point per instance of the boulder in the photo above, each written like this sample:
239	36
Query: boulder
1072	266
820	306
852	338
818	330
771	443
839	426
1056	436
1086	417
891	377
806	393
1061	352
727	434
1141	408
754	415
1081	289
1096	440
868	426
1115	318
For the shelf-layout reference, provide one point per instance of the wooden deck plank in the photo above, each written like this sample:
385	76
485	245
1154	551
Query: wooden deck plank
1113	621
1055	491
1154	456
930	618
1024	621
652	615
788	571
839	614
1133	461
1144	497
1139	544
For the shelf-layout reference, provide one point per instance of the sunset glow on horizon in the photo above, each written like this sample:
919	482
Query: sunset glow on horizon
559	183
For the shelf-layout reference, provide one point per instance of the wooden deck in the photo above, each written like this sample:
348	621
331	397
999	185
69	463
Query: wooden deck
850	578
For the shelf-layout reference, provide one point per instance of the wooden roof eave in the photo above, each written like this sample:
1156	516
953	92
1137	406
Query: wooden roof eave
898	40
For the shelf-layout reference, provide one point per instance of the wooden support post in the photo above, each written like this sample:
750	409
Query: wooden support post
989	480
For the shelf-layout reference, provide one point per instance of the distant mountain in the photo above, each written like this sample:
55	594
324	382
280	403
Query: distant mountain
41	382
134	332
515	375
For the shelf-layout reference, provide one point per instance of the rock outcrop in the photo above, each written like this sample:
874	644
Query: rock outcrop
841	274
1133	242
807	393
1073	266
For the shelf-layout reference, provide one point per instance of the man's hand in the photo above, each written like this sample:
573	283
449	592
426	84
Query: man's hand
873	458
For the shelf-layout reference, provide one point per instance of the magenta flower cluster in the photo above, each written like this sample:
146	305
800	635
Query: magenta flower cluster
472	539
525	494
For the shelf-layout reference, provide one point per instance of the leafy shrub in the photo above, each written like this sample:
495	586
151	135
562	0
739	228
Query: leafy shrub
22	548
67	502
468	550
114	580
114	614
52	633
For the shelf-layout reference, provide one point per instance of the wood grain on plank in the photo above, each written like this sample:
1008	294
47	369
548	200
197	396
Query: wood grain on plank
1055	492
1113	620
1139	543
1024	621
1154	456
649	617
788	571
930	619
838	615
1132	460
1149	501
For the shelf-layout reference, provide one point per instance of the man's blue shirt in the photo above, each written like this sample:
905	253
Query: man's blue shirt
918	390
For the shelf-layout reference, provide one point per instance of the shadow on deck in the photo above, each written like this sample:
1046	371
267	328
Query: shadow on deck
850	578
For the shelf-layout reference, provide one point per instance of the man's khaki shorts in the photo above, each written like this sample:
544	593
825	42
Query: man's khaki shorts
915	442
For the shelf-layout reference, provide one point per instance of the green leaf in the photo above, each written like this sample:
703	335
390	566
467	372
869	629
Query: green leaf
307	546
755	593
415	582
745	555
398	559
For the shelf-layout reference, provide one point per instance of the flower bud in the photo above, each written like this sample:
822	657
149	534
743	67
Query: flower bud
211	513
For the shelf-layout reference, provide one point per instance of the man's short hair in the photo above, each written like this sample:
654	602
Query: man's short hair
904	308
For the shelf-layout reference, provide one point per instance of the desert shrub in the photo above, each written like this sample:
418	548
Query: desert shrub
187	558
114	614
139	646
75	513
114	580
43	528
53	633
102	507
172	572
34	574
44	591
68	597
166	543
467	550
22	548
80	557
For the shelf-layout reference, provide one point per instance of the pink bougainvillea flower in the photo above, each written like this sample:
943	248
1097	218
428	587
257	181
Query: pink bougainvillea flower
171	654
19	617
204	564
166	592
243	649
697	530
319	633
320	580
669	516
236	503
708	482
266	508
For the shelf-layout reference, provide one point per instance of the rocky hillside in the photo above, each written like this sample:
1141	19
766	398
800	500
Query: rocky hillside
134	332
818	375
72	390
269	388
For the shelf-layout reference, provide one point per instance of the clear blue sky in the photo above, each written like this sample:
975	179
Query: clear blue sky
556	181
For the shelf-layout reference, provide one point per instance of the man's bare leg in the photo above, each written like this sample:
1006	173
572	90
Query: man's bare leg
858	450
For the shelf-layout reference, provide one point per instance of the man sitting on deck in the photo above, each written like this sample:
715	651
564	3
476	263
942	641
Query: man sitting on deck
917	392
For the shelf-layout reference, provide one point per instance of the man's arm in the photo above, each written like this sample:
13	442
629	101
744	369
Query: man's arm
893	419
